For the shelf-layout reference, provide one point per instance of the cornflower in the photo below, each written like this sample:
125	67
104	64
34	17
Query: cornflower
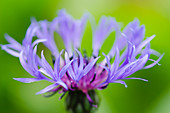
81	75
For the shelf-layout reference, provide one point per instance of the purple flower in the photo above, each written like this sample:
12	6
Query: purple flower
77	72
13	47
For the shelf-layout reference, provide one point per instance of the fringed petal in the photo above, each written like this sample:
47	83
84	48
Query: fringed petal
27	80
120	81
57	63
105	27
10	51
48	88
137	79
153	64
89	66
64	69
46	65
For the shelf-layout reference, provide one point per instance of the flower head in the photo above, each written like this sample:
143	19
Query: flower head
76	72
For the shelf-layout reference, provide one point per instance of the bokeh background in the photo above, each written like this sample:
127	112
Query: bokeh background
139	97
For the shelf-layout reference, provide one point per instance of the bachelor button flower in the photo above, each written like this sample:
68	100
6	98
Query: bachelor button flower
78	74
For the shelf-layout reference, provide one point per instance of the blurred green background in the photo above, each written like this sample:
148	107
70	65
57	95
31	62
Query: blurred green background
139	97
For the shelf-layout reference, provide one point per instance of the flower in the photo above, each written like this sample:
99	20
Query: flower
76	72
